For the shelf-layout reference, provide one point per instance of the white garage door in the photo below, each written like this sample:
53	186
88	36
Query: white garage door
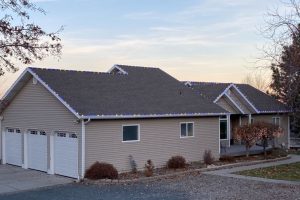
13	146
37	150
66	154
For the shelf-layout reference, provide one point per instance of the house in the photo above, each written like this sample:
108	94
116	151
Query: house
245	104
62	121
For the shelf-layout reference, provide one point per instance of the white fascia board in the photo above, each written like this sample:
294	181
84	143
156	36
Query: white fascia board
224	92
235	104
151	116
54	93
237	89
117	67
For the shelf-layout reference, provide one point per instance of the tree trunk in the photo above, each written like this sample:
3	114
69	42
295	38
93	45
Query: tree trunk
247	151
265	143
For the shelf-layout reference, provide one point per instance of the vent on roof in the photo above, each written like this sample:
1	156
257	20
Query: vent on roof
117	70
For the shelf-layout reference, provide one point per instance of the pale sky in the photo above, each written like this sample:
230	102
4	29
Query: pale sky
198	40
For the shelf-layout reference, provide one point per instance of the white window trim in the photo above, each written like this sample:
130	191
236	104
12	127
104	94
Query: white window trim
186	130
279	120
139	133
223	119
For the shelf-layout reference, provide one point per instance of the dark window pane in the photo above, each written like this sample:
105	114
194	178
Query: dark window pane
190	129
130	133
183	130
223	129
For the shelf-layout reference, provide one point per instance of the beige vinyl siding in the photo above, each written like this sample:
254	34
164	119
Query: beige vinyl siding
36	108
226	105
159	140
239	100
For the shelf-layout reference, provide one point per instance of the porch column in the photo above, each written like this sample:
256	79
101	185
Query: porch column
289	133
249	118
228	129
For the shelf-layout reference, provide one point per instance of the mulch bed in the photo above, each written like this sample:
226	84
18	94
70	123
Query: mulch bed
195	165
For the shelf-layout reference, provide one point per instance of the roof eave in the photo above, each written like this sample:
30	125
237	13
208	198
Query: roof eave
151	116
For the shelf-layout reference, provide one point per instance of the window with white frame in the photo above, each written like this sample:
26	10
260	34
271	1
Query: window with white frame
186	129
276	121
131	133
223	128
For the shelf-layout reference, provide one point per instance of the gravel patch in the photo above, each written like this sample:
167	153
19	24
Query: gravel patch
196	186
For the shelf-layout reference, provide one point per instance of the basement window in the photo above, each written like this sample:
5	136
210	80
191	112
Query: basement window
131	133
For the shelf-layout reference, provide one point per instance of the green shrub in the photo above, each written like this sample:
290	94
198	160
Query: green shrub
176	162
101	171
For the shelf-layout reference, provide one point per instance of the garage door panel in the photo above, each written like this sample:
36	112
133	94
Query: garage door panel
37	150
13	147
66	154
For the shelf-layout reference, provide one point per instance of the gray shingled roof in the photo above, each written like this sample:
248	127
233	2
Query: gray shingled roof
143	91
261	101
209	90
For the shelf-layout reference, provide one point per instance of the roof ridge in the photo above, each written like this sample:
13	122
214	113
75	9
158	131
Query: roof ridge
136	66
68	70
204	82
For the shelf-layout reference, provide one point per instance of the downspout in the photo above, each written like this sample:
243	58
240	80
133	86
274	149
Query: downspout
83	124
2	142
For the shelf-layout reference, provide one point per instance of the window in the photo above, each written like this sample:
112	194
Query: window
276	121
252	120
131	133
18	131
42	133
186	129
10	130
223	128
61	134
72	135
33	132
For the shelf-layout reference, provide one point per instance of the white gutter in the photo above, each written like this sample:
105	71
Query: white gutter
151	116
83	124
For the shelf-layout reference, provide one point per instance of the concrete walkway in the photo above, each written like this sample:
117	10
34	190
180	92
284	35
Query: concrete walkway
14	179
229	172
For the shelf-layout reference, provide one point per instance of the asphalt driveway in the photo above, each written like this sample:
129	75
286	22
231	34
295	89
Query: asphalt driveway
16	179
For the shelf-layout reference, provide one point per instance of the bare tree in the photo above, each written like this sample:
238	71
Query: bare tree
257	80
22	41
283	53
